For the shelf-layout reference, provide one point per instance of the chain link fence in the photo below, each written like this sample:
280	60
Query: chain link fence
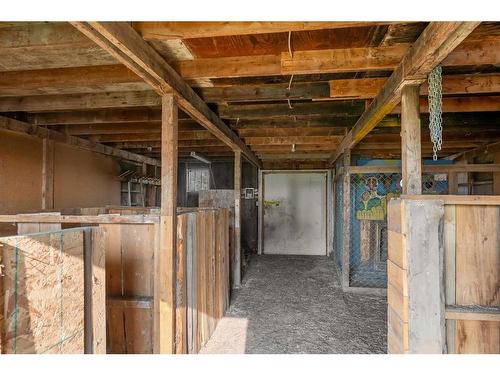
369	194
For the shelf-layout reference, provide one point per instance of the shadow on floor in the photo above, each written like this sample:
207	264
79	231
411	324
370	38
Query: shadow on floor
294	304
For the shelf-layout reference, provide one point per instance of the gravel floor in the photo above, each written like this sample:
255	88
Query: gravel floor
294	304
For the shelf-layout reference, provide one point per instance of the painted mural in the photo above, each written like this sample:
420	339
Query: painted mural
373	195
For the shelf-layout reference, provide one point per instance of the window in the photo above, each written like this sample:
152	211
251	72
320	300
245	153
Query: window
198	178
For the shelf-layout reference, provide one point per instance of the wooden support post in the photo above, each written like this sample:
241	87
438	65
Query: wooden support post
164	281
47	174
237	220
452	183
411	153
423	231
496	175
346	242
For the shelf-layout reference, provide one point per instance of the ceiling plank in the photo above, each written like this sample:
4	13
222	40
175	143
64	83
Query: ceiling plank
39	132
367	88
70	81
332	108
185	30
462	104
297	91
330	61
434	44
125	44
47	103
65	80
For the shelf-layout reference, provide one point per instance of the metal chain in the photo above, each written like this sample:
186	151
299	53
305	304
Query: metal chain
435	97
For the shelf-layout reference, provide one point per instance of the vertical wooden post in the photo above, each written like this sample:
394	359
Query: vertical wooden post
496	175
424	247
164	282
452	183
47	174
237	220
144	188
411	154
346	241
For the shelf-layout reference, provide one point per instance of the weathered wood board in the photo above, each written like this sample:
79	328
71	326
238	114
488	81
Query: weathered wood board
129	275
470	269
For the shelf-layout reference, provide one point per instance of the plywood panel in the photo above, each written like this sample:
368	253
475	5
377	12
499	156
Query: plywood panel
477	275
43	293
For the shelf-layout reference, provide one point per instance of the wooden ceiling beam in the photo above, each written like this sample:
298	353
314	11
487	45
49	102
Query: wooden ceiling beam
103	116
368	88
431	48
149	136
330	140
39	132
70	81
330	61
47	103
184	30
128	47
115	77
333	108
298	91
129	128
461	104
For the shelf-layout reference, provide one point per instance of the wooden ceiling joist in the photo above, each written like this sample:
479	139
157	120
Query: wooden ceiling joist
367	88
39	132
128	47
119	78
329	61
431	48
333	108
102	100
186	30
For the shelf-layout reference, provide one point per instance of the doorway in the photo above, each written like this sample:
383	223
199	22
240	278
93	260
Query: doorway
294	212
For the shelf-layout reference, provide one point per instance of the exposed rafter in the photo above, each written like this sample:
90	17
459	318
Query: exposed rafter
125	44
434	44
184	30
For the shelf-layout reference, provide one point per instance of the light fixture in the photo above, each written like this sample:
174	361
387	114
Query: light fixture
293	147
199	157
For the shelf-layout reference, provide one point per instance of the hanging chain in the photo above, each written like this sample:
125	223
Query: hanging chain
435	97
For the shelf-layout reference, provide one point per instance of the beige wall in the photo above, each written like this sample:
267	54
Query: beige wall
20	173
81	178
84	179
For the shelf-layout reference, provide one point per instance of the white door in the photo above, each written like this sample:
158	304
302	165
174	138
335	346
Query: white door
294	210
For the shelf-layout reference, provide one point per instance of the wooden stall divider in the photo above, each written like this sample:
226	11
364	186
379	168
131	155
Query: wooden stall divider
461	313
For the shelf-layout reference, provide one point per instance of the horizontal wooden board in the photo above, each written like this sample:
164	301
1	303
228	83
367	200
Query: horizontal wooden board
396	249
397	302
397	277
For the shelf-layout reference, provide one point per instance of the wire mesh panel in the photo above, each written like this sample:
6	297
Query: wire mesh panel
368	235
339	222
369	195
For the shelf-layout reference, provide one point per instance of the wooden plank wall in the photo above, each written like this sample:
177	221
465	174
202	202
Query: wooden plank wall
129	287
471	272
43	304
202	276
202	280
477	275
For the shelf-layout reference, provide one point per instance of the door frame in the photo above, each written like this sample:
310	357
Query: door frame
329	204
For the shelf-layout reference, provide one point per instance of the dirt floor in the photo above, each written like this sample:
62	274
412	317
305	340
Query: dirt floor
294	304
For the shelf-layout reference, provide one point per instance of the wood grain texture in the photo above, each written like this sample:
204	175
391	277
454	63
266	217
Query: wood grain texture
433	45
477	275
411	153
